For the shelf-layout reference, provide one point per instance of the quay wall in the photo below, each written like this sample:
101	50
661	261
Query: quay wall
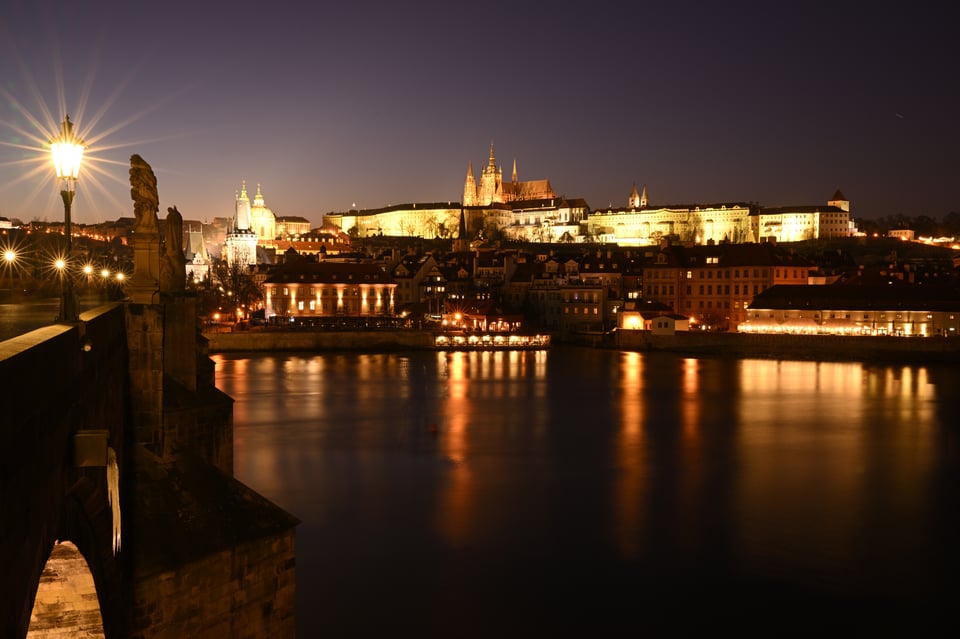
318	341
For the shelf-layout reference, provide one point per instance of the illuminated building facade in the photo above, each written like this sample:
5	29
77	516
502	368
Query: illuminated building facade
429	220
641	224
545	220
303	289
799	223
856	309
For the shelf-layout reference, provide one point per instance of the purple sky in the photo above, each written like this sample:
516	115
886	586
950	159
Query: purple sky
380	103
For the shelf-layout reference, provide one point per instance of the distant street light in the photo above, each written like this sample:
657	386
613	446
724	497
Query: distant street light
9	262
67	152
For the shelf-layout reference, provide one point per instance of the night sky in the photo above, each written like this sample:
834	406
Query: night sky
367	104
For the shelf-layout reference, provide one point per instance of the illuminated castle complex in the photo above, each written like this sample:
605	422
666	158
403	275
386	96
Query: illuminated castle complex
492	189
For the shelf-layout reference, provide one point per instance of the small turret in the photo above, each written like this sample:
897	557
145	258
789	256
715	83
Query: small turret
840	201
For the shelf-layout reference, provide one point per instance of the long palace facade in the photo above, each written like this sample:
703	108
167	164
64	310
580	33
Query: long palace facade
530	211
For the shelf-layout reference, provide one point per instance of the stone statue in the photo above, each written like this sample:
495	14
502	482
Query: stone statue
173	272
143	190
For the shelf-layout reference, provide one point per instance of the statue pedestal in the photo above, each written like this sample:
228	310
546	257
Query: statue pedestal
143	287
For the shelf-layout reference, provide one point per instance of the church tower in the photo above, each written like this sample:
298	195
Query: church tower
643	197
491	179
470	188
634	201
242	217
241	242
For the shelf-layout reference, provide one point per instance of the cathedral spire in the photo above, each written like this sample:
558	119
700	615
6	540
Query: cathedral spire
470	187
492	163
514	170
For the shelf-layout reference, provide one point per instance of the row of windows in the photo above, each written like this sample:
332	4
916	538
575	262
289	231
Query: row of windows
660	274
656	290
329	292
709	304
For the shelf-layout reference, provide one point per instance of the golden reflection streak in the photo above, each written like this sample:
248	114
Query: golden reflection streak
457	501
690	484
691	401
632	478
781	436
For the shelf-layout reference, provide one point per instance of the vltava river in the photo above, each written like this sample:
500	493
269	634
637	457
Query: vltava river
599	492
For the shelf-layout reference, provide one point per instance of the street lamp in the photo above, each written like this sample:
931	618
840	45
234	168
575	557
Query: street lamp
67	151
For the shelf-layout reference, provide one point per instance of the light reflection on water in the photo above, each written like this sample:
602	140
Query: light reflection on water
518	485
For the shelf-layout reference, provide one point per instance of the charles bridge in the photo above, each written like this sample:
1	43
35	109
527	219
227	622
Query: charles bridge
121	516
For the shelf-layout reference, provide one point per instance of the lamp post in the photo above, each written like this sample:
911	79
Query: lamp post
67	151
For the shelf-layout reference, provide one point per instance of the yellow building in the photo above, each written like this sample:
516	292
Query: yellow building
641	224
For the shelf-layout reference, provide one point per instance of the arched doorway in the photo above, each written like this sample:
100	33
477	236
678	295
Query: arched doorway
66	604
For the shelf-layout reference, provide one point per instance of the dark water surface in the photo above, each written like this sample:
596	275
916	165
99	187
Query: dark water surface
596	493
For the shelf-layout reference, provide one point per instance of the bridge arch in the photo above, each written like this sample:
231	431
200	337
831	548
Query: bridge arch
66	599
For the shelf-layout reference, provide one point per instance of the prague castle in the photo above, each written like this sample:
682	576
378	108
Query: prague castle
531	212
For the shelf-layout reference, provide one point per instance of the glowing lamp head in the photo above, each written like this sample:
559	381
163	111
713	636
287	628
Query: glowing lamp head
10	256
67	152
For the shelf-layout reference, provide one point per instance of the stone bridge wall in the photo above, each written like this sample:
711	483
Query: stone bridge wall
201	553
52	387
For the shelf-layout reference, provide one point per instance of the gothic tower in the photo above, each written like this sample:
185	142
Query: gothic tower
491	179
470	188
